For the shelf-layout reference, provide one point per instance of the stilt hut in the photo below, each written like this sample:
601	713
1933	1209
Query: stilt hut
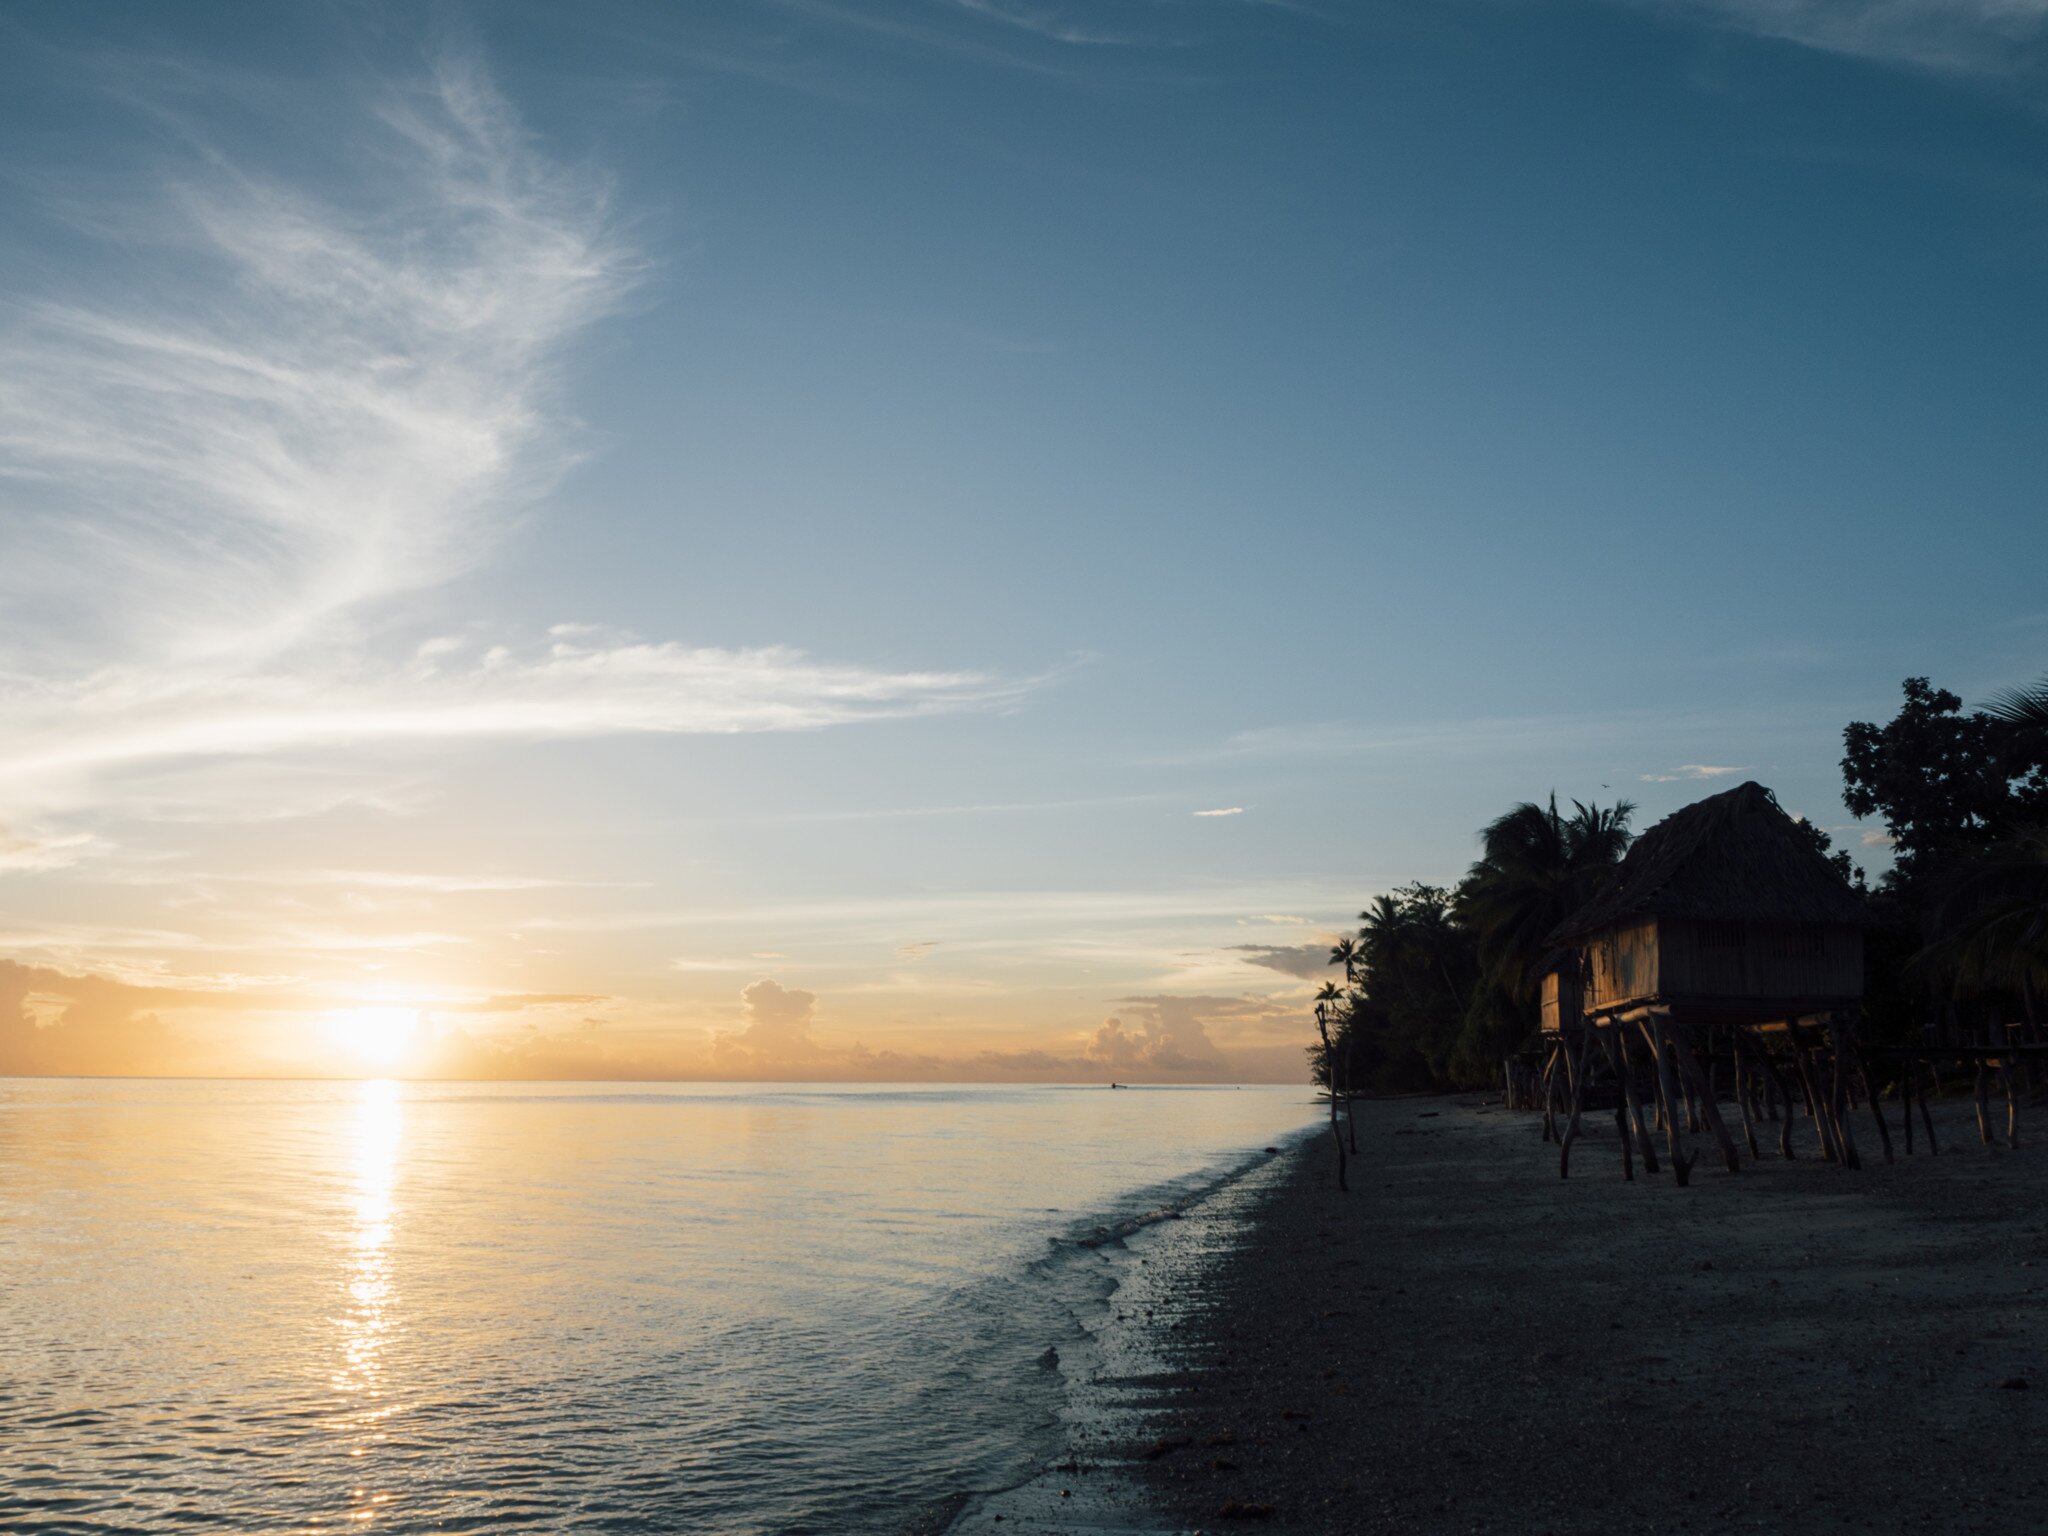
1724	933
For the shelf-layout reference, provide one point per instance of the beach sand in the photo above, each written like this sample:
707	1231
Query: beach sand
1467	1343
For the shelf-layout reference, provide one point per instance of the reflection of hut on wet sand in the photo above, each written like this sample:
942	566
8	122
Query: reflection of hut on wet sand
1724	942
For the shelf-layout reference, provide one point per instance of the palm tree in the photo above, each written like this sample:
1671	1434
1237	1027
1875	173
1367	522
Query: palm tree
1990	919
1325	998
1412	926
2026	706
1347	954
1537	867
1383	930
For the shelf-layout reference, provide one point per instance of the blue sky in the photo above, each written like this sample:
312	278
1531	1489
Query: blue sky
554	518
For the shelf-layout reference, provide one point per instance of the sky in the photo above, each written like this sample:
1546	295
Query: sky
939	539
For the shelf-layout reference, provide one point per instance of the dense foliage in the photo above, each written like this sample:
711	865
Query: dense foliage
1961	943
1440	984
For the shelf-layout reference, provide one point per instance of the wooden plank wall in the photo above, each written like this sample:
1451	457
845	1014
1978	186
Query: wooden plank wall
1561	1007
1760	959
1625	963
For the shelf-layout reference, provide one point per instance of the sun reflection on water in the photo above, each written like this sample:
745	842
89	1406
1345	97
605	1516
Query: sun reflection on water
369	1315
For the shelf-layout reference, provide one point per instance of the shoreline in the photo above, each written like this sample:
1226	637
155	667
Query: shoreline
1466	1342
1115	1375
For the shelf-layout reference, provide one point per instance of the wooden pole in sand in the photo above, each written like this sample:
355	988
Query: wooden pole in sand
1350	1099
1330	1071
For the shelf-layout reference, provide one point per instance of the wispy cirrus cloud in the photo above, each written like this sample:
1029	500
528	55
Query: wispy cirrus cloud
1050	22
320	400
1956	36
235	477
1222	810
64	733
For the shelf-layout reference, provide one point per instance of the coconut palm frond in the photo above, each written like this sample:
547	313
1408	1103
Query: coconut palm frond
1990	918
2026	706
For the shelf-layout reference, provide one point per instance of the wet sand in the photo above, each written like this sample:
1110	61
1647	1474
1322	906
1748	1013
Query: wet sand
1466	1343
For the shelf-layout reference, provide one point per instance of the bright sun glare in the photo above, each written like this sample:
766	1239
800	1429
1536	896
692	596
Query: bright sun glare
376	1039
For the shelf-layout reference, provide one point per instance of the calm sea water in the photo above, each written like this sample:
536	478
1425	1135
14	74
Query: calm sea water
575	1307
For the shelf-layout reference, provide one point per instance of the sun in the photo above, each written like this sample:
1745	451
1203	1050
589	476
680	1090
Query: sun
378	1039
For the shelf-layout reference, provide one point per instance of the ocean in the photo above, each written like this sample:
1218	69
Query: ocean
397	1307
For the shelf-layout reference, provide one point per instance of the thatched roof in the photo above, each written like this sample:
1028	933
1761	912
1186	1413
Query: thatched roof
1731	857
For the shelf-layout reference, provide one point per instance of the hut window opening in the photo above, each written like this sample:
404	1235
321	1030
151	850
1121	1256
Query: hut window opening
1723	935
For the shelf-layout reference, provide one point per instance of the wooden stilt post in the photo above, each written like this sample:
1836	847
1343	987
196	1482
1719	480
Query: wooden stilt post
1906	1102
1580	1066
1550	1094
1667	1090
1848	1040
1814	1110
1781	1097
1927	1120
1983	1102
2012	1102
1742	1089
1621	1106
1842	1053
1696	1080
1629	1096
1884	1132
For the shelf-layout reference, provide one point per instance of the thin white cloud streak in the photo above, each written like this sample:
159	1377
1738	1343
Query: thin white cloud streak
26	851
1491	736
59	736
922	812
324	404
1226	810
1689	772
999	912
1955	36
423	883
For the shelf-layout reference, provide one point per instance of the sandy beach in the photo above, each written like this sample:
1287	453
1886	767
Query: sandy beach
1466	1343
